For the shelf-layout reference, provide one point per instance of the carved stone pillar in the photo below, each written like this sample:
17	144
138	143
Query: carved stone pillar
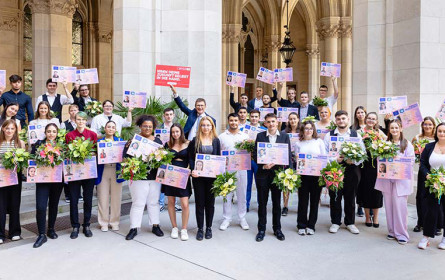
104	60
345	32
273	45
10	40
313	55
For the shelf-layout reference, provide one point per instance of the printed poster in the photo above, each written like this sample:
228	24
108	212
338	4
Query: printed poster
283	75
399	168
76	171
36	132
163	134
141	146
63	74
237	160
252	131
134	99
409	116
336	142
87	76
277	153
172	175
387	105
3	79
264	112
110	152
236	79
210	165
265	75
283	113
311	164
43	174
177	76
441	113
294	138
330	69
7	177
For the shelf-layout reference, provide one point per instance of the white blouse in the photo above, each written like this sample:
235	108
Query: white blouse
437	160
312	147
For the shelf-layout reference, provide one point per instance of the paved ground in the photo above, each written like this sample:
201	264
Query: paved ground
232	254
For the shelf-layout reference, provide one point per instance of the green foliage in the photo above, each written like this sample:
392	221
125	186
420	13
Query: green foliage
133	169
319	102
80	149
16	159
436	182
287	180
224	184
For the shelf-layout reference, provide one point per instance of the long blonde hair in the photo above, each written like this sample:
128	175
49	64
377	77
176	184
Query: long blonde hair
15	138
199	135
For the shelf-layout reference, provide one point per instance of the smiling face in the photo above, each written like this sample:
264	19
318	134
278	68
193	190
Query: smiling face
176	133
51	88
371	121
395	130
84	91
304	98
108	108
291	95
51	133
272	124
9	130
242	113
243	100
428	127
31	172
110	129
73	111
233	123
342	121
206	127
169	116
43	110
200	107
266	99
254	118
308	131
80	122
324	113
360	114
441	133
147	129
12	111
293	121
323	92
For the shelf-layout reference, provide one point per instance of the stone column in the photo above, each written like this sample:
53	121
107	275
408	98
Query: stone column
273	44
313	54
104	61
52	41
346	65
10	39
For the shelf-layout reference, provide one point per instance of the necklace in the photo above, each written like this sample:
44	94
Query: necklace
441	149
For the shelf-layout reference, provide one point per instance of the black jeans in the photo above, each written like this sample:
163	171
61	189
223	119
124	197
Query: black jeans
351	180
309	192
88	188
434	217
204	201
264	185
47	195
10	199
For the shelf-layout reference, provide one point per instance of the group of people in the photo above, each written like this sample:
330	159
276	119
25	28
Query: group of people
199	136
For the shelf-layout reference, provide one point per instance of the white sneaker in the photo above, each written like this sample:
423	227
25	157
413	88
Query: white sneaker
1	241
115	228
184	235
15	238
334	228
424	242
442	244
310	231
353	229
302	231
174	233
224	225
244	225
104	228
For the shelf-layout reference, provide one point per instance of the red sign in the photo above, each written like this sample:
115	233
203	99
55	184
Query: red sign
177	76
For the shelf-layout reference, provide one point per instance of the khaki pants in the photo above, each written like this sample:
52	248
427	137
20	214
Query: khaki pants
109	190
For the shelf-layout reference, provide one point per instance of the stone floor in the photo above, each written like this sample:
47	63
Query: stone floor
233	254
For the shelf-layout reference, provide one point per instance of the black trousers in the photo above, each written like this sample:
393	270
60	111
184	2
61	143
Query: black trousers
264	185
350	184
308	195
434	217
204	201
10	199
47	195
88	188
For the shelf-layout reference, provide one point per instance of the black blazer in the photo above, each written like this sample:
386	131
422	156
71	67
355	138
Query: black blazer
311	111
79	101
236	105
425	166
273	98
261	137
192	151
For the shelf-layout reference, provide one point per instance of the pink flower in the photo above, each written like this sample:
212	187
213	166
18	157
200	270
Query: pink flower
42	154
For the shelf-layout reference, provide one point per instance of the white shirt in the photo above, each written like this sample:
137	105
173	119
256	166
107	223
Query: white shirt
258	103
311	147
436	160
101	120
327	140
64	100
73	123
331	102
194	129
228	139
272	138
45	122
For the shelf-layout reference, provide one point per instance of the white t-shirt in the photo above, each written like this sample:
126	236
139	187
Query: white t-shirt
311	147
331	102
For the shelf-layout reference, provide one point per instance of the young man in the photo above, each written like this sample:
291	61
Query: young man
194	116
16	95
305	109
323	91
351	178
265	176
242	114
267	103
291	100
243	100
84	97
228	139
55	100
257	102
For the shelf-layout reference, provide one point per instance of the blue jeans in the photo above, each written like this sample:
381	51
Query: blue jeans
162	200
250	174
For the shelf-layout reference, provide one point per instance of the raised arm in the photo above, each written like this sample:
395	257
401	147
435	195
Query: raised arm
232	98
334	84
179	102
69	98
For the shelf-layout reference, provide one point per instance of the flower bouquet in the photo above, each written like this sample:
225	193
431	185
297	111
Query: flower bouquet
159	157
16	159
319	102
383	149
224	184
61	136
133	169
436	182
332	176
309	118
369	136
287	180
353	151
246	145
80	149
94	108
332	126
419	146
49	155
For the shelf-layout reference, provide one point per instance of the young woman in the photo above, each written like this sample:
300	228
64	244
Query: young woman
205	142
10	112
428	130
43	115
396	192
10	196
292	126
109	187
359	118
370	198
178	146
433	157
99	121
47	194
309	192
325	118
145	192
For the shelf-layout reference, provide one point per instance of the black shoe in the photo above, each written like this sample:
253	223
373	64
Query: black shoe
200	234
260	235
133	232
178	208
360	212
157	231
208	233
279	235
284	211
368	224
247	209
87	232
40	240
52	234
376	225
75	233
417	229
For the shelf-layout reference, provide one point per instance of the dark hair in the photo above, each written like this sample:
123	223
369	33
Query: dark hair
103	103
168	110
83	86
144	118
403	141
323	86
51	124
288	128
356	124
3	116
341	113
182	139
242	108
50	81
48	116
110	121
232	115
437	128
304	92
15	138
255	111
244	94
270	115
424	120
14	78
376	126
314	131
200	100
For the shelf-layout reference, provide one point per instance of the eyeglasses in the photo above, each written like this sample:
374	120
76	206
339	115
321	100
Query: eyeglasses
83	90
146	127
108	106
308	129
323	90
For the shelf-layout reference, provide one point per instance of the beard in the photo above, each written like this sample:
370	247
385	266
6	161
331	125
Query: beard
342	126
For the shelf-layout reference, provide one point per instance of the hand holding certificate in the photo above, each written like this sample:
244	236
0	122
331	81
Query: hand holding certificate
63	74
174	176
141	146
236	79
209	165
110	152
269	153
330	69
311	165
134	99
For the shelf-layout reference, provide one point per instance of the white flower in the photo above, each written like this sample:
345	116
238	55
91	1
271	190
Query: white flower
294	178
345	150
289	171
230	181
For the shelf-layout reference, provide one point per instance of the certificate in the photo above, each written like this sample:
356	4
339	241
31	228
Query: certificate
441	113
7	177
311	164
264	112
236	79
330	69
36	132
277	153
134	99
87	76
237	160
321	132
3	79
398	168
283	75
163	134
63	74
252	131
178	76
409	116
110	152
283	113
174	176
387	105
76	171
141	146
294	138
265	75
43	174
210	165
336	142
